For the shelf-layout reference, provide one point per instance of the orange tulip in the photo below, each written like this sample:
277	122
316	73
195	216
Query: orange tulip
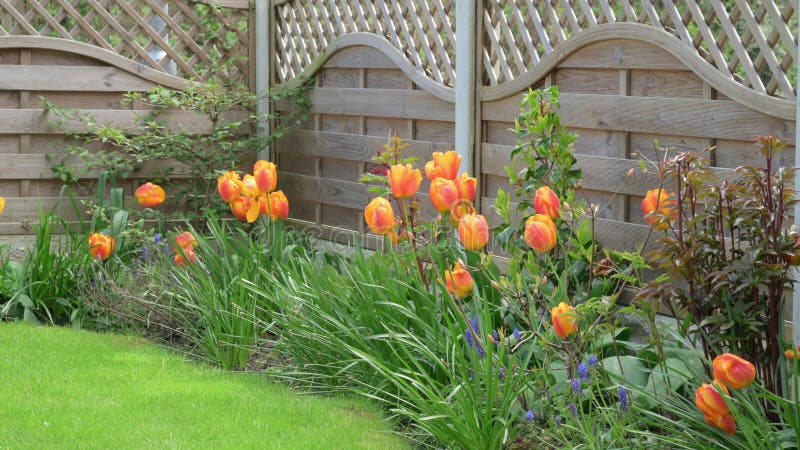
659	208
466	186
379	216
188	256
186	240
709	401
249	186
792	354
2	204
724	422
278	206
459	209
150	194
735	371
228	186
443	193
101	245
546	202
404	180
444	165
473	231
266	175
458	280
540	233
245	208
563	317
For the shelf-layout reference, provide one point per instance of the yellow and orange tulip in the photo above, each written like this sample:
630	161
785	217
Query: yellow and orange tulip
249	186
101	245
709	400
724	422
659	208
404	180
564	321
458	280
188	256
459	209
792	354
466	186
546	202
443	193
149	195
278	206
473	231
444	165
540	233
735	371
379	216
186	240
245	208
266	175
228	186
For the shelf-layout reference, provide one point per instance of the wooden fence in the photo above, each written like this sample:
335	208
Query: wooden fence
692	74
85	54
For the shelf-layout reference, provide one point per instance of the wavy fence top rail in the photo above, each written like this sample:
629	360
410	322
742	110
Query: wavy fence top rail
750	43
196	40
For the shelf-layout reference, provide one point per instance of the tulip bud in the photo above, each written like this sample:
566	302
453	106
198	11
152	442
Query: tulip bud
540	233
564	320
186	240
709	401
228	186
659	208
379	216
149	195
101	245
466	186
724	422
546	202
266	175
404	180
444	165
188	256
735	371
459	209
278	206
443	193
473	231
458	281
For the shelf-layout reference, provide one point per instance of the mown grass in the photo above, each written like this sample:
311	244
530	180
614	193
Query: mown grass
61	388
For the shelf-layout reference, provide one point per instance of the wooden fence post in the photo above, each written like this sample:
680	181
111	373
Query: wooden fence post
466	70
796	290
263	67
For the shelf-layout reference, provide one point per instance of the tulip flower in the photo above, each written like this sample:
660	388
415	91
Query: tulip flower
188	256
2	204
278	206
659	209
546	202
266	175
444	165
458	280
792	354
724	422
466	186
459	209
249	187
735	371
228	186
473	231
708	399
443	193
404	180
245	208
186	240
101	245
564	320
379	216
149	195
540	233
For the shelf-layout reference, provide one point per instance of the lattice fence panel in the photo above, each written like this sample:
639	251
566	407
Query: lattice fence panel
188	39
424	30
753	43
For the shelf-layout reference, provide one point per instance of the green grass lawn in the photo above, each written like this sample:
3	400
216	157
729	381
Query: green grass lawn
61	388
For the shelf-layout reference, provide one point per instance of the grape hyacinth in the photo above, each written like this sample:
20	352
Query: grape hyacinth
583	371
517	334
592	360
530	416
576	385
624	402
573	408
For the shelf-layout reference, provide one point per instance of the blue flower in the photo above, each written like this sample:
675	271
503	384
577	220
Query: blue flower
583	372
156	238
475	324
94	284
573	409
530	416
624	402
144	253
517	334
558	421
496	337
576	385
501	373
593	361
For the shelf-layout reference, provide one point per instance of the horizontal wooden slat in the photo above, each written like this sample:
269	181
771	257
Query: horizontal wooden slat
347	194
351	147
70	78
38	166
377	102
38	121
599	173
27	209
722	119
